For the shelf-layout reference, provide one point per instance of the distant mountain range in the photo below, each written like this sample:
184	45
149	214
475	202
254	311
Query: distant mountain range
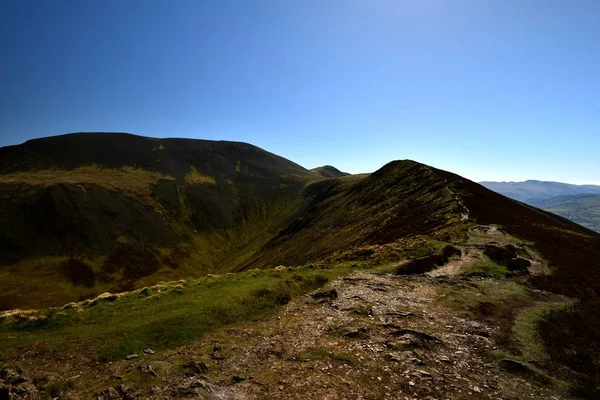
579	203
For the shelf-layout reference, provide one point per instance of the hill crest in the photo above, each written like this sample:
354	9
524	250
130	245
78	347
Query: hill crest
172	156
329	171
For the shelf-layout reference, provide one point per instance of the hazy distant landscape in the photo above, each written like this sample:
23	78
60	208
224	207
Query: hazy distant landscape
579	203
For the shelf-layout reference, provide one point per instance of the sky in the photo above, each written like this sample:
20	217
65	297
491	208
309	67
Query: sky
490	89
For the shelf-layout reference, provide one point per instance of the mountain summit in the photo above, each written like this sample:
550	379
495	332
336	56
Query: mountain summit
328	171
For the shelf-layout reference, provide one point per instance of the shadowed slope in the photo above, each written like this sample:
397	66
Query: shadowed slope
92	188
405	198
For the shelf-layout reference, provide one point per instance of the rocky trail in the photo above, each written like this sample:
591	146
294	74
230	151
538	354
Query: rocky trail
368	335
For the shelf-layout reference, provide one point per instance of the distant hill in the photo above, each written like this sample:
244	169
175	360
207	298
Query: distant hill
532	192
579	203
327	171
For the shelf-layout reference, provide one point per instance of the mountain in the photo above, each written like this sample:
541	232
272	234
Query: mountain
402	199
327	171
193	238
132	211
533	191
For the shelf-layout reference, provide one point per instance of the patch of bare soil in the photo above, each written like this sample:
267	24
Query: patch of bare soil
459	265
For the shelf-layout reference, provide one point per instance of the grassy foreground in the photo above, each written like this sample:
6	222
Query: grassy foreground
160	317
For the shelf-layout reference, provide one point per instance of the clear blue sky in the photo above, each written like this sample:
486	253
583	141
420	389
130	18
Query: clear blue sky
490	89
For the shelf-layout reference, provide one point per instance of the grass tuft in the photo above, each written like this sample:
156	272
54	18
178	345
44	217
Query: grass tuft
196	178
488	268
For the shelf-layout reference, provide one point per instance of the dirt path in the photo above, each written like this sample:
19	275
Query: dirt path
458	265
382	337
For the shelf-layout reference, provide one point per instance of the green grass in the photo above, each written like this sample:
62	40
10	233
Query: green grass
526	330
488	268
160	320
413	247
474	296
427	247
129	178
196	178
323	354
314	354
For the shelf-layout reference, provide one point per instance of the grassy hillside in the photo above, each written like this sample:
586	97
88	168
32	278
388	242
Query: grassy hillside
144	210
169	156
183	310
